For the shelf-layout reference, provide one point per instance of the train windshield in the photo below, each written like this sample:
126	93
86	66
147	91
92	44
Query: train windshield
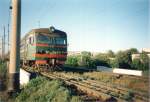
51	40
60	41
42	39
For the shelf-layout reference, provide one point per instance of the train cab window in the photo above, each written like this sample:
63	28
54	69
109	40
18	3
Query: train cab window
31	40
51	41
64	41
61	41
42	39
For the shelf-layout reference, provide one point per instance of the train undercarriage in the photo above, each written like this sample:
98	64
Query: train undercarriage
43	65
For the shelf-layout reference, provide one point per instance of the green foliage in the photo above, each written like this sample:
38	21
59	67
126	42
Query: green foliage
103	59
133	51
141	63
144	61
113	63
110	54
75	99
129	95
72	61
124	59
136	64
85	59
3	70
43	90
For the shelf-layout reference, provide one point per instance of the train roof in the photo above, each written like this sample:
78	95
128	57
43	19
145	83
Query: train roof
47	31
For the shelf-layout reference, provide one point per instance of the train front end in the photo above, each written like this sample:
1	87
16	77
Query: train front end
51	47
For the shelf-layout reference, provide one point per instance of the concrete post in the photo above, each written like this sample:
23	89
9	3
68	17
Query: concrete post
8	39
14	66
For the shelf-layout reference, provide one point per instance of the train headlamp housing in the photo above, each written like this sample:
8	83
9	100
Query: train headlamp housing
51	29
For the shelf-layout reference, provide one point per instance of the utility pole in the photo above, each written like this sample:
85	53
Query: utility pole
10	8
14	68
8	39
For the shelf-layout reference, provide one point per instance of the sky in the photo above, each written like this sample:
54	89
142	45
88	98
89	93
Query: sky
91	25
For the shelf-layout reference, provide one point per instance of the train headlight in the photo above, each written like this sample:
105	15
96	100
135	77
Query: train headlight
51	29
47	52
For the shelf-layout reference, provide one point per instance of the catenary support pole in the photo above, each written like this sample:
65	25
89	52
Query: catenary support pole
14	68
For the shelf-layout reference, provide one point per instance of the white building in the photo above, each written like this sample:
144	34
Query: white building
146	50
135	56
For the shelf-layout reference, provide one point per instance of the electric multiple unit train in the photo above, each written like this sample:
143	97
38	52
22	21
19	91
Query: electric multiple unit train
44	46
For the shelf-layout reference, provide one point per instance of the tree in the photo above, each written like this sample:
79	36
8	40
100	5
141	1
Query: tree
103	59
110	54
72	61
113	63
141	63
124	59
144	61
133	51
136	64
85	59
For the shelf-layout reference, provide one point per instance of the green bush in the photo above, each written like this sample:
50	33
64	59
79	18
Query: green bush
3	70
75	99
72	61
129	95
43	90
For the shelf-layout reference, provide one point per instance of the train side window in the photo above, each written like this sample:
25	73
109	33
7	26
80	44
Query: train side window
64	42
31	40
51	41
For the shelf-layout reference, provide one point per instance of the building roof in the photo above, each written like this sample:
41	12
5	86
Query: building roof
146	50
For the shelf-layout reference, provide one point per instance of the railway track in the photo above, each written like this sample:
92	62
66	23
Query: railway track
115	91
100	90
90	90
120	91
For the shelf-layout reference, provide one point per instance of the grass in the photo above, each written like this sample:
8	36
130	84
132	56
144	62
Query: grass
125	81
3	76
129	82
43	90
128	96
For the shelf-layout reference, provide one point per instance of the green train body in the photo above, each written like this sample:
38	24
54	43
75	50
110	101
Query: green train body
44	46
